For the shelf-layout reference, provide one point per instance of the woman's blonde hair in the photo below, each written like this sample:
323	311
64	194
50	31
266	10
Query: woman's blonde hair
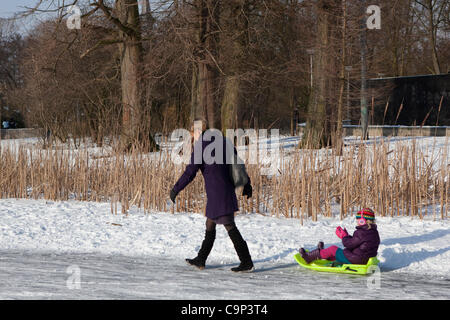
199	122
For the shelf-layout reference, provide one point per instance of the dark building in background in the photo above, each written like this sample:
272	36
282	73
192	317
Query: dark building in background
412	100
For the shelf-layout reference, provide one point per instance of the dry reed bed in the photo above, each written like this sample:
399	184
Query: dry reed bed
394	179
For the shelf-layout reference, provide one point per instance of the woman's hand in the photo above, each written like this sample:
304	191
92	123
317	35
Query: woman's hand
248	190
173	195
341	233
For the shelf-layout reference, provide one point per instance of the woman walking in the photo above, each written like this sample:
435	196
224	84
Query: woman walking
221	197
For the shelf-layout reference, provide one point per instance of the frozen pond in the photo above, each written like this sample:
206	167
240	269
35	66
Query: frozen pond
34	275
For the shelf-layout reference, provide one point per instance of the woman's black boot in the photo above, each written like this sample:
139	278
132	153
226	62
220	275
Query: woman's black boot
204	251
242	251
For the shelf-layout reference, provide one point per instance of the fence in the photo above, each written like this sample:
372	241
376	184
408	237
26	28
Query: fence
377	131
20	133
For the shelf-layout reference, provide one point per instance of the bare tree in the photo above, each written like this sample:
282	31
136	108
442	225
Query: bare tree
238	63
124	17
432	14
11	48
64	93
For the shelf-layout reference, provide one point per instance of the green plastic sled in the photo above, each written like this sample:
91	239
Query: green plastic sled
328	266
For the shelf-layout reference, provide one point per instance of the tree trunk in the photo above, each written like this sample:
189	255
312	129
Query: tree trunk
317	132
230	103
203	102
432	10
196	109
232	98
337	144
130	67
363	95
432	38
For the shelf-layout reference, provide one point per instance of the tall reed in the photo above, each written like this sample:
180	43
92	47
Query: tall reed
395	179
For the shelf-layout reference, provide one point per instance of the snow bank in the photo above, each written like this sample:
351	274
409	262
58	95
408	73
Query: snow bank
407	245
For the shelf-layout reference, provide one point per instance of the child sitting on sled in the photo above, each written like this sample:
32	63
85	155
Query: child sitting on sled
358	248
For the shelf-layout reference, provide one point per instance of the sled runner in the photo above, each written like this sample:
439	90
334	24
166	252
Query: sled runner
332	266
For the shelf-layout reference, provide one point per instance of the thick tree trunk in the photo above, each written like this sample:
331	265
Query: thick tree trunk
130	92
130	66
203	103
317	131
237	13
230	103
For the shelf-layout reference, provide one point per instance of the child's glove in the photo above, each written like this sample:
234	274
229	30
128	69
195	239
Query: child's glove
341	233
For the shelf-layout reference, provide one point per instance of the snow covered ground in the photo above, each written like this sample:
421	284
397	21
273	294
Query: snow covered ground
72	250
45	245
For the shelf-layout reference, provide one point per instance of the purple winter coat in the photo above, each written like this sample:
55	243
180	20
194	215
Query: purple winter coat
362	245
220	191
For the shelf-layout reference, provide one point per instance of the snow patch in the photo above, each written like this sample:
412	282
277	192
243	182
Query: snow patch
407	245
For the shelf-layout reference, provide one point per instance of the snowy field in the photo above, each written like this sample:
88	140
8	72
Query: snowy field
45	245
79	250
